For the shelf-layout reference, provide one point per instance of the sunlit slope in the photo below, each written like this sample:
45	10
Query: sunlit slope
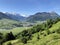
44	39
55	27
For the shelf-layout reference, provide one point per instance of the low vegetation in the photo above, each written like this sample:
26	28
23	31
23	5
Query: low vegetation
46	33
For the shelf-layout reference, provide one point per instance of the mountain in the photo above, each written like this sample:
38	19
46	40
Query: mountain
17	17
4	16
41	16
10	21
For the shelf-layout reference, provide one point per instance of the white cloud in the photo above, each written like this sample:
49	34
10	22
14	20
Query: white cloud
24	15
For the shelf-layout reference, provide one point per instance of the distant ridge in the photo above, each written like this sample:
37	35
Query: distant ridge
11	16
41	16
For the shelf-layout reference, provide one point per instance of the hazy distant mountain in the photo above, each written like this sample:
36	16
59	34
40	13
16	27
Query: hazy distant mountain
42	16
9	21
17	17
11	16
2	16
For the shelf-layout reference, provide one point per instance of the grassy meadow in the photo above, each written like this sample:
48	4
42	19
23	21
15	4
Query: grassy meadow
14	30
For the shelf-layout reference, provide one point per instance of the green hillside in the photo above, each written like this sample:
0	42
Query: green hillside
9	24
47	33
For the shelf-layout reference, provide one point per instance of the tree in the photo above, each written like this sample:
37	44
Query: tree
38	37
49	23
1	35
9	43
9	36
58	19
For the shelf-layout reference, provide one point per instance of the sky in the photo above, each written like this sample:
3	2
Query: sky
29	7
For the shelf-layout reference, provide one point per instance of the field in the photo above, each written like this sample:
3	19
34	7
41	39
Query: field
14	30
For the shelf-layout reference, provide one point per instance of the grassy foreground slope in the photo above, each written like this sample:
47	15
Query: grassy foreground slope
42	38
55	27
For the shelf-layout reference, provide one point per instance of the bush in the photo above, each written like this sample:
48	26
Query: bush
53	32
24	40
1	36
58	30
9	43
38	37
44	34
9	36
48	32
49	23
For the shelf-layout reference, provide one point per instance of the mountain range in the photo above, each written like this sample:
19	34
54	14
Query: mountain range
15	16
40	16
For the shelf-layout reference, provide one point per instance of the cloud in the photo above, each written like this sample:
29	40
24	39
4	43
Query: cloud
24	15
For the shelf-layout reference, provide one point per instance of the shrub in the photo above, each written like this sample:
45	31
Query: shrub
38	37
49	23
9	36
9	43
44	34
48	32
1	35
58	30
53	32
24	40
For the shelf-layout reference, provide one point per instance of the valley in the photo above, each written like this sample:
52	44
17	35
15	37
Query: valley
37	35
29	22
37	32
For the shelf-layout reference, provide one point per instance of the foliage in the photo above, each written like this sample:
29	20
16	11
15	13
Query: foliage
38	37
9	43
24	40
58	31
